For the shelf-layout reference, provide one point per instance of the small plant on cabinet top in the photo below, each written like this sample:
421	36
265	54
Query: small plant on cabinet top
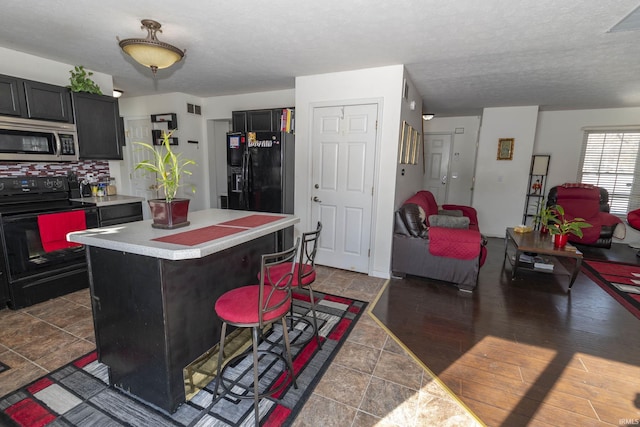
167	165
81	81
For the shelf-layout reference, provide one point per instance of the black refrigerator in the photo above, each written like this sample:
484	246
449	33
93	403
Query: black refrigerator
260	174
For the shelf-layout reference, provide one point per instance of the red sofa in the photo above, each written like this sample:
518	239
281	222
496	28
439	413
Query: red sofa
439	243
591	203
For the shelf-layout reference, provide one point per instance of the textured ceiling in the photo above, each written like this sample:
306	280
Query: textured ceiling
462	55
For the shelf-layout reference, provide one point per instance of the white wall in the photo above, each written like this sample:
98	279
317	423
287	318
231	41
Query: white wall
191	127
409	177
464	130
560	134
23	65
382	85
501	184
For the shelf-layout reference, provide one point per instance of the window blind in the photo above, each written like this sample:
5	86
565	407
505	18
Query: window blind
609	159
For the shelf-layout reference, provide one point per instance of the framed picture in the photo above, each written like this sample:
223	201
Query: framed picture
415	141
505	149
405	143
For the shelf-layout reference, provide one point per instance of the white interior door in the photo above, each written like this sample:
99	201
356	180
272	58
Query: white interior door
141	183
437	155
343	148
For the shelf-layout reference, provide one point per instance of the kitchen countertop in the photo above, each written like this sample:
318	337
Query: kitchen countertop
137	237
118	199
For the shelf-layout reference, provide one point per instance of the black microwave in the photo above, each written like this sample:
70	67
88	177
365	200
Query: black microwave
37	140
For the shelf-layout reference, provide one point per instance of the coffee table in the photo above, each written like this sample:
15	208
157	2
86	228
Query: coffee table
541	244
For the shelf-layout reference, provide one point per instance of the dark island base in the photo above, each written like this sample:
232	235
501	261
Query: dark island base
153	317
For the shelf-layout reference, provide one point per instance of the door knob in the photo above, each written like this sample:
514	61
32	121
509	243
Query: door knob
316	186
444	179
315	199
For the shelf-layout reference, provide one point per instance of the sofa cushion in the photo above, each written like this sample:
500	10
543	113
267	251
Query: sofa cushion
410	214
451	212
448	221
426	201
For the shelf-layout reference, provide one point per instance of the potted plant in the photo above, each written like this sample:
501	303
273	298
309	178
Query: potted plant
543	216
560	227
169	167
81	81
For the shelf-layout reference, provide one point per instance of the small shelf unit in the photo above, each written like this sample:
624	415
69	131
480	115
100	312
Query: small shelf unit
536	190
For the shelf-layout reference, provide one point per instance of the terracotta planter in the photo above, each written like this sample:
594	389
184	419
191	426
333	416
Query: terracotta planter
169	215
560	240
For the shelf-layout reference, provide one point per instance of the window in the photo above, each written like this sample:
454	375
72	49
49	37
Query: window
609	159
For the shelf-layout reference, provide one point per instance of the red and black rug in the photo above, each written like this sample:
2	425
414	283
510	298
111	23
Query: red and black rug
621	281
79	394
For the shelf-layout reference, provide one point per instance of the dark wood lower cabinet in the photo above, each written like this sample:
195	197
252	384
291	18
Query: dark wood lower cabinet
153	316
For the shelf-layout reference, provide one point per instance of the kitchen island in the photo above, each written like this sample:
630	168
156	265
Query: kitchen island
153	292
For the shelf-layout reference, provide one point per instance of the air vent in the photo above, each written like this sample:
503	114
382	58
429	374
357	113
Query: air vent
194	109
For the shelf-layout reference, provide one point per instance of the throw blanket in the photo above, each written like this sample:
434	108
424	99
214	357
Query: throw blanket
54	228
454	242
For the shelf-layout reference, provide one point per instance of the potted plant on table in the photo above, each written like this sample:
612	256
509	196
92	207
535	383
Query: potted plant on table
560	227
169	167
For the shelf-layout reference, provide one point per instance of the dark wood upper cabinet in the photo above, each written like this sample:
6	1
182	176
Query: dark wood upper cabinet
48	102
267	120
12	102
98	123
260	121
239	121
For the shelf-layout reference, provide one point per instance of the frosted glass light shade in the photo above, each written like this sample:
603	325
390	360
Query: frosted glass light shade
151	52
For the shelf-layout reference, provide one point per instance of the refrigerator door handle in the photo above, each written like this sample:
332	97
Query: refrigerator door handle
243	181
247	179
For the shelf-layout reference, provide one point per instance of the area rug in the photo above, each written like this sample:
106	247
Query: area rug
78	394
621	281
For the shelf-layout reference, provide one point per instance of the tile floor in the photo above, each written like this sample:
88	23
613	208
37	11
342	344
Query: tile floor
373	381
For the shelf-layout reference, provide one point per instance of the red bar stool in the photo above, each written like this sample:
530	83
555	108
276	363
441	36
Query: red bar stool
255	307
303	277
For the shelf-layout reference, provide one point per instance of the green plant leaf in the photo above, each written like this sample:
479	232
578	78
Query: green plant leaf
167	166
80	81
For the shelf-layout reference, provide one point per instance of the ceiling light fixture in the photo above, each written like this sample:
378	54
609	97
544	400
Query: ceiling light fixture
428	116
151	52
117	93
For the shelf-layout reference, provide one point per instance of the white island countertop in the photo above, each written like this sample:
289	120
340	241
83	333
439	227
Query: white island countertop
137	237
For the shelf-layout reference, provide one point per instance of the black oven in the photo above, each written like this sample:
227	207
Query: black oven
31	272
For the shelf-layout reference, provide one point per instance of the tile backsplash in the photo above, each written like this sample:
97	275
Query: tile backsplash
99	169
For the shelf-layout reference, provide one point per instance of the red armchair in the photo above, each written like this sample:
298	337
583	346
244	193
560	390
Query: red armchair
591	203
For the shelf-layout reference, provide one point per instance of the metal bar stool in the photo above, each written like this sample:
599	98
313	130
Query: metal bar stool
255	307
304	274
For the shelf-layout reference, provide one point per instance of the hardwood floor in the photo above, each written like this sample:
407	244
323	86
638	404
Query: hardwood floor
525	352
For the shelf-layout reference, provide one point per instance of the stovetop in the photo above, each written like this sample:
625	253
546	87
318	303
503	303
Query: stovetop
34	194
32	185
